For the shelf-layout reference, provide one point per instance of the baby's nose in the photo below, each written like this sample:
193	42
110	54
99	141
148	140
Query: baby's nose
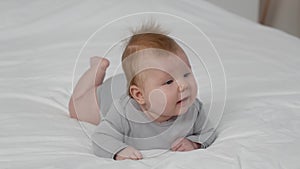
182	85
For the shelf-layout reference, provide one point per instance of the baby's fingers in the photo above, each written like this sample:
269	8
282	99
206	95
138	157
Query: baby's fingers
178	147
181	148
176	144
136	155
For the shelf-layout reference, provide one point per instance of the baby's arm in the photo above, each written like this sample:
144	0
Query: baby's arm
108	138
204	131
83	102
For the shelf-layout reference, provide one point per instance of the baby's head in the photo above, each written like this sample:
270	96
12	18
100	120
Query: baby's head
158	74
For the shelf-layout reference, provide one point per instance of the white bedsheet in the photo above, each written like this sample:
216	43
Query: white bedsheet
40	42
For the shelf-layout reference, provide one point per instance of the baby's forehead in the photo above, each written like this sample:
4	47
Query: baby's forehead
157	53
160	59
153	58
162	66
166	60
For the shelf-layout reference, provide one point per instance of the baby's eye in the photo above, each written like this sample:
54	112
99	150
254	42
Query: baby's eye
169	82
186	74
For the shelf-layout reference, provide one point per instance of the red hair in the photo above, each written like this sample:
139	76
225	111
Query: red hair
146	40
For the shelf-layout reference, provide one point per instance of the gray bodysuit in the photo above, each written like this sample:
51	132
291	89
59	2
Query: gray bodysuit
124	124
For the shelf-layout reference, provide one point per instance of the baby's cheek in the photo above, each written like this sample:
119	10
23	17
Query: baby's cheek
158	101
194	87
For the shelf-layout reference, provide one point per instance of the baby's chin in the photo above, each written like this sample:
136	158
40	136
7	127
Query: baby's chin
178	112
183	109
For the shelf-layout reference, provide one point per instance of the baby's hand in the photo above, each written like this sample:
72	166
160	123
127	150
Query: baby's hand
183	144
129	153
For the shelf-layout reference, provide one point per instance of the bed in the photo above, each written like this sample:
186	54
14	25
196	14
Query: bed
249	71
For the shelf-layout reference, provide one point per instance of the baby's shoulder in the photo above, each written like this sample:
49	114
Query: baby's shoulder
124	106
119	104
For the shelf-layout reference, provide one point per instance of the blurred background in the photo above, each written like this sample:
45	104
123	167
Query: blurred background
280	14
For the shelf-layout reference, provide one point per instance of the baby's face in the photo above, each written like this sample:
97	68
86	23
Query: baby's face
169	88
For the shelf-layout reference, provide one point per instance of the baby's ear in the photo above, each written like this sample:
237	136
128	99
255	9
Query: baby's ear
137	94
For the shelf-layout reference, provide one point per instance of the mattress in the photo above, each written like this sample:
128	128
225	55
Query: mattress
247	74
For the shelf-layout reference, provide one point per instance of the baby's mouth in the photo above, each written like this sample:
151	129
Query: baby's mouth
183	101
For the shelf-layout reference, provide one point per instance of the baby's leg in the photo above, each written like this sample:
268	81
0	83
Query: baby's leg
83	103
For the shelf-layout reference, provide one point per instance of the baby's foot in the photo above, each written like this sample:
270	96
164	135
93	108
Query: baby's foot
101	66
95	60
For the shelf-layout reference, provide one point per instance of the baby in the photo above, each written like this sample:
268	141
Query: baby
160	109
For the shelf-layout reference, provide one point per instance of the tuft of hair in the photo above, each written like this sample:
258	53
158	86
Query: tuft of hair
149	27
149	35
